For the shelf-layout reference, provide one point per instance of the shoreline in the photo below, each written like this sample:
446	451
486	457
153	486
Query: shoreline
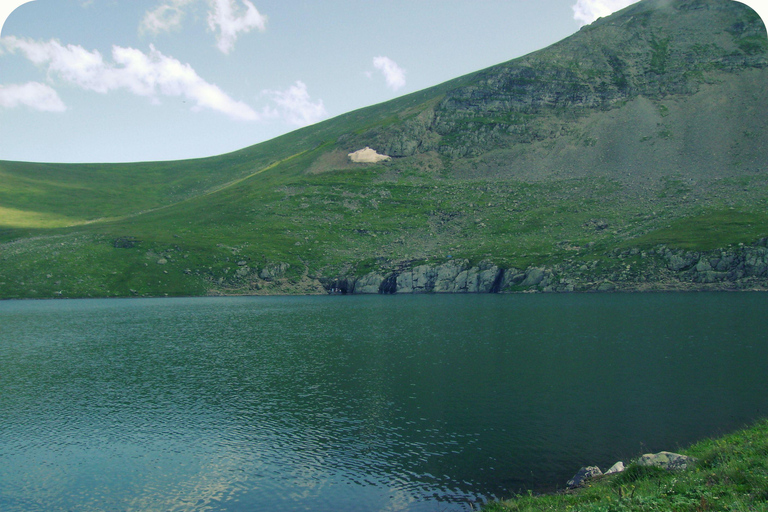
217	293
730	472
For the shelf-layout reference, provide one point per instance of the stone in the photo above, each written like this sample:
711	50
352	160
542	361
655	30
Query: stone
447	273
606	286
682	261
273	271
404	283
424	279
162	261
666	460
533	277
488	279
616	468
581	477
369	283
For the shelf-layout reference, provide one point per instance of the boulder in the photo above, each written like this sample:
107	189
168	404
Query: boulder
616	468
666	460
606	286
681	261
447	274
533	277
584	474
273	271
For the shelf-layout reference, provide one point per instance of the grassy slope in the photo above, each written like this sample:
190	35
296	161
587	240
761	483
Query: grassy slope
296	199
731	474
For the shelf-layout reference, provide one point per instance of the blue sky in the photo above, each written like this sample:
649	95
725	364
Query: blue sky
136	80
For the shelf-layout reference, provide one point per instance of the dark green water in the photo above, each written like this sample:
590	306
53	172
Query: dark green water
418	403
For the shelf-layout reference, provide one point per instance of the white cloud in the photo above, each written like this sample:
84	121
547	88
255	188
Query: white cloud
144	74
226	18
33	95
587	11
230	21
295	106
393	74
165	17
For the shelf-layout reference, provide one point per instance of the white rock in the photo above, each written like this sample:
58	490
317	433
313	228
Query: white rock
367	156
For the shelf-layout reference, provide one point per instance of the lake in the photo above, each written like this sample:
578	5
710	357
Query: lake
397	403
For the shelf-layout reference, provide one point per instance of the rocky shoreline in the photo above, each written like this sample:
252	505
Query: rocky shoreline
665	460
661	268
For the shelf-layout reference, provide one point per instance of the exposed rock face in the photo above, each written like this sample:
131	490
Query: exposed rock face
735	268
454	276
370	283
613	61
666	460
273	271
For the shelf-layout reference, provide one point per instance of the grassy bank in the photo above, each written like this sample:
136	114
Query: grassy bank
731	474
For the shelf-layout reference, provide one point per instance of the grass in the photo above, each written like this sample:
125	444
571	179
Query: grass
264	204
354	221
709	230
731	474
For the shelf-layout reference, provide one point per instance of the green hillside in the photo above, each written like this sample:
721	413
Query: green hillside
631	155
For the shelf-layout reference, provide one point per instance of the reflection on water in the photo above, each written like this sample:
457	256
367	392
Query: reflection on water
417	403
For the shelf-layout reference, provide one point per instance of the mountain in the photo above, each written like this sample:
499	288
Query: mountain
632	155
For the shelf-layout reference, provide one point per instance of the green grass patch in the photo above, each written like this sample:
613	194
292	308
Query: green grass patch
710	230
731	474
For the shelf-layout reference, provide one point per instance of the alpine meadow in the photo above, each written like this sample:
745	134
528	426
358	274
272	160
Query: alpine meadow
632	155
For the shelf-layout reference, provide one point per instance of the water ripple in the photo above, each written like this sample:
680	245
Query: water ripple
365	404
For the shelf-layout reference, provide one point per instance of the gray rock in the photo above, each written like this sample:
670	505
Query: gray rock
667	460
424	279
582	476
488	278
460	285
273	271
681	261
445	282
616	468
533	277
405	282
369	283
606	286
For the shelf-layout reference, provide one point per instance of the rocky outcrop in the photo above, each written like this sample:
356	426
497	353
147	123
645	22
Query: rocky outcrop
453	276
661	268
273	271
522	101
665	460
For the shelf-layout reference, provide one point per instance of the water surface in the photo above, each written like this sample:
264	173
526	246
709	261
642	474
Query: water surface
414	403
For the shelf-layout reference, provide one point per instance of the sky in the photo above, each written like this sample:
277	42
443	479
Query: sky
143	80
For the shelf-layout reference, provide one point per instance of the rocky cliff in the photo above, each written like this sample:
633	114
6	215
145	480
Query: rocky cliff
662	268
